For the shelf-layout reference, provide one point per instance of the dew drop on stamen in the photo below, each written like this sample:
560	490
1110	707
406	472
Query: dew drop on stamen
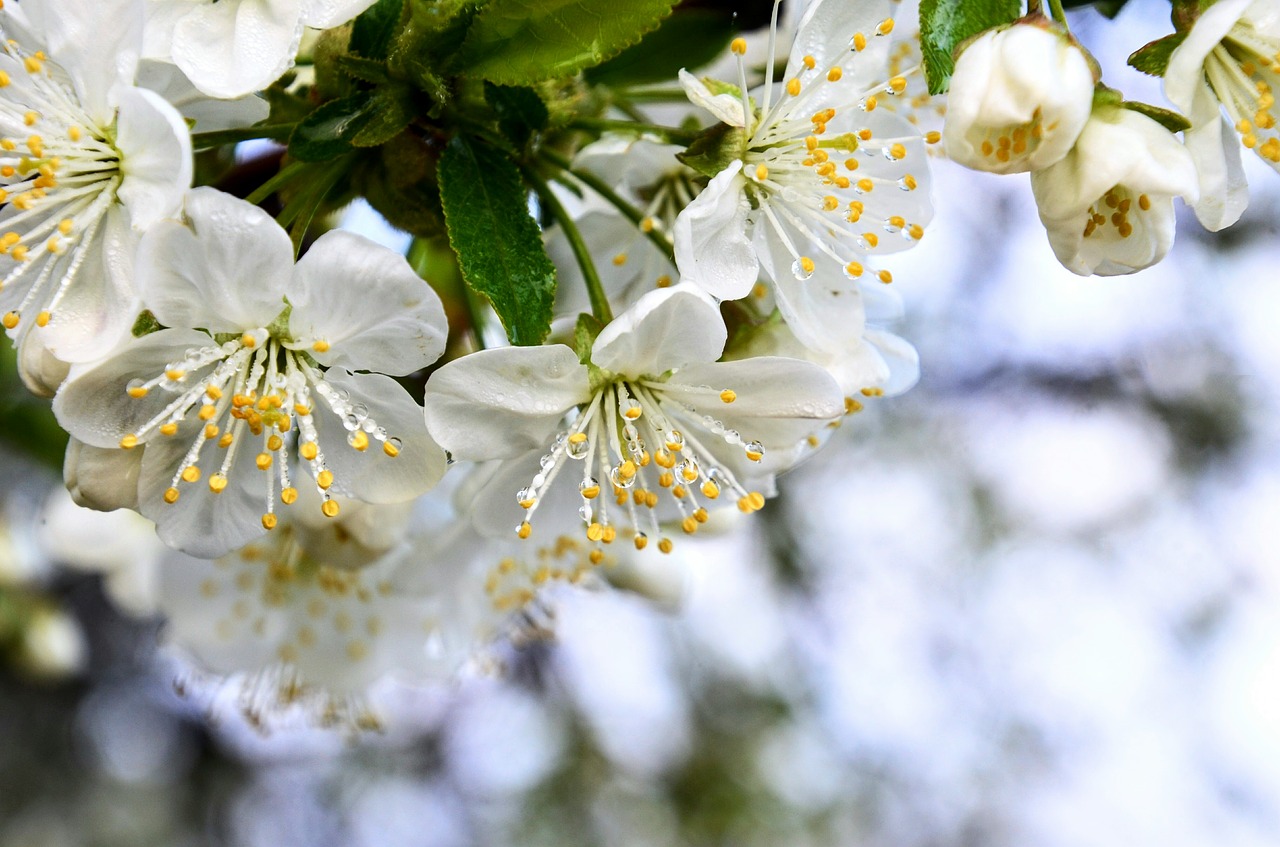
578	449
800	270
620	480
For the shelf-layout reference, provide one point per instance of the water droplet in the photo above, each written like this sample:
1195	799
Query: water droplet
674	440
630	408
134	385
630	433
754	450
360	410
585	512
578	449
588	484
799	272
350	421
616	477
393	442
524	494
547	462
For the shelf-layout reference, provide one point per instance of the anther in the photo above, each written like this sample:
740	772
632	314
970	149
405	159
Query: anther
171	496
728	395
324	479
289	496
738	46
269	521
329	508
129	442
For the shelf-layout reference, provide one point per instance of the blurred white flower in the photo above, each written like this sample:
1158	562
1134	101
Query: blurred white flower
88	160
818	181
1108	205
1019	98
229	48
52	644
1229	61
220	405
652	395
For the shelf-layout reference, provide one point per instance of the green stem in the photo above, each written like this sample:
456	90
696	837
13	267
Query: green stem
599	125
1058	13
595	288
275	132
447	281
657	95
1034	8
602	188
283	177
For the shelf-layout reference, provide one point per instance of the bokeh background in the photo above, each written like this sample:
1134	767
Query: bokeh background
1035	602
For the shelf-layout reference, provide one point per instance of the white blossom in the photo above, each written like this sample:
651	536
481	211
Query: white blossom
1018	100
229	48
87	160
227	410
1229	62
652	429
1108	206
820	179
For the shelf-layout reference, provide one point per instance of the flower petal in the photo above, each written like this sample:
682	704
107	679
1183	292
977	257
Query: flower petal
41	371
372	475
235	47
104	479
325	14
367	307
202	523
825	311
664	330
93	404
826	33
712	248
1215	148
225	271
501	402
100	307
206	113
1185	71
155	145
725	107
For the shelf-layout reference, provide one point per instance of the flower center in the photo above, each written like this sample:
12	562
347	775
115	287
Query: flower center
247	393
638	436
1112	212
1242	70
58	176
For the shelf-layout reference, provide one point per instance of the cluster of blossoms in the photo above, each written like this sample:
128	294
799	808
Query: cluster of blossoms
1104	171
319	528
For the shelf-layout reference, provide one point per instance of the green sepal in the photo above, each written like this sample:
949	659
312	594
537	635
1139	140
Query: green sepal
146	324
521	111
389	111
714	149
584	336
1168	119
425	50
373	30
327	132
499	245
945	24
518	42
1153	59
371	71
689	38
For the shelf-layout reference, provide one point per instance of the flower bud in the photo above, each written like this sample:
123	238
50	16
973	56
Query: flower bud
1019	98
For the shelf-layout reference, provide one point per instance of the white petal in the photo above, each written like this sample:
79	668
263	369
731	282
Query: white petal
101	478
372	475
608	235
325	14
779	401
93	404
900	358
156	149
629	160
826	33
41	371
1185	71
713	250
501	402
367	304
495	513
725	107
99	309
98	43
236	47
202	523
226	271
825	311
206	113
1215	148
665	329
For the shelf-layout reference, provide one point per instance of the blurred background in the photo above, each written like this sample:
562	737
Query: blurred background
1035	602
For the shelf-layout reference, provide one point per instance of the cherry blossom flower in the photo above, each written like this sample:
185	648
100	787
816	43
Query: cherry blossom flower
1229	62
818	180
229	48
226	410
86	159
652	428
1108	206
1019	98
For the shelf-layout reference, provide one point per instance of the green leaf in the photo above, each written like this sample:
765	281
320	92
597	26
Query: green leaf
714	149
327	132
372	32
427	45
518	42
690	38
146	324
499	245
521	111
944	24
1153	58
389	111
1170	120
584	336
